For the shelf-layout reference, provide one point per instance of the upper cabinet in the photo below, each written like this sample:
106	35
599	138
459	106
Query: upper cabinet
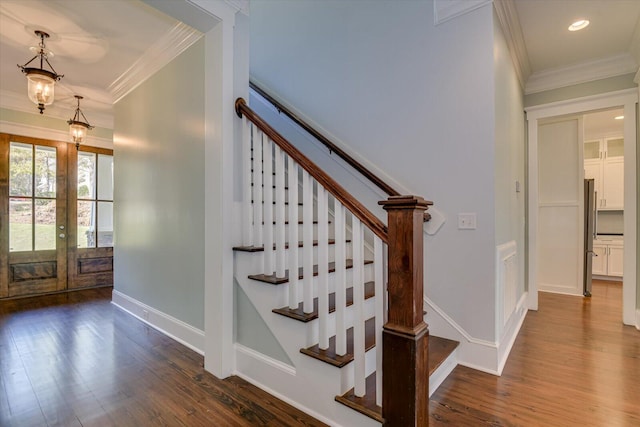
604	163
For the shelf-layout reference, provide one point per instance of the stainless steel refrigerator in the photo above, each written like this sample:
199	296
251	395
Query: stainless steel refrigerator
590	226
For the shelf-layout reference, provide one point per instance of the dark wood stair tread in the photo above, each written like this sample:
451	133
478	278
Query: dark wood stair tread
329	355
439	350
273	280
299	314
261	248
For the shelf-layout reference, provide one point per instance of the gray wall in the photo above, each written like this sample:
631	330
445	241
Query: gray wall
412	99
509	153
610	84
159	190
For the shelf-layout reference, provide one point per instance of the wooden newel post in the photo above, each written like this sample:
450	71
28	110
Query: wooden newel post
405	338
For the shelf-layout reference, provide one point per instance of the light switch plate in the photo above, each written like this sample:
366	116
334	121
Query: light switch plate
467	221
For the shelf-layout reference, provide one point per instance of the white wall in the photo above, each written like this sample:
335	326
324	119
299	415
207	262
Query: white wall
414	99
509	153
159	190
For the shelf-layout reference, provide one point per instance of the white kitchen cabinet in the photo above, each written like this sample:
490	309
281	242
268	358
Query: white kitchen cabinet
609	259
599	259
604	163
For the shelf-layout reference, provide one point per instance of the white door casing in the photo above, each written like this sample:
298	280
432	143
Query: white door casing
626	99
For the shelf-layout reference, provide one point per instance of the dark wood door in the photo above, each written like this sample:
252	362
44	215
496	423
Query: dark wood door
33	216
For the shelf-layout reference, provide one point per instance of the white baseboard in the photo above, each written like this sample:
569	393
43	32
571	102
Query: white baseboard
511	332
638	319
474	353
174	328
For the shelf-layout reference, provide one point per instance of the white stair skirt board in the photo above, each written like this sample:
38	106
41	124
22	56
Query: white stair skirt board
482	355
175	329
292	386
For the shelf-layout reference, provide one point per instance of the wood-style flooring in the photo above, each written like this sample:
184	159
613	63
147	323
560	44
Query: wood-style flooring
76	360
573	364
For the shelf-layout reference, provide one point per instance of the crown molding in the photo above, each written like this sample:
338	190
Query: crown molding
19	101
510	24
239	5
584	72
166	48
51	134
445	10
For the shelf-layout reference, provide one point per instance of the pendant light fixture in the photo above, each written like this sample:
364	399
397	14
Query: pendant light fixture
41	82
78	128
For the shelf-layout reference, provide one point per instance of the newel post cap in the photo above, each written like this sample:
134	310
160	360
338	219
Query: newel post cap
405	202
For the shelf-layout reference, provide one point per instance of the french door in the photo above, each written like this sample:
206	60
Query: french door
42	212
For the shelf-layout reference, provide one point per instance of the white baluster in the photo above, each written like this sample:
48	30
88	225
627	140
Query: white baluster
307	235
258	226
247	226
267	152
340	276
293	235
323	268
378	263
280	213
358	305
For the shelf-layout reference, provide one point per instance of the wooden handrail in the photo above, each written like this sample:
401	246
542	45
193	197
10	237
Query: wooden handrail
353	205
327	143
359	167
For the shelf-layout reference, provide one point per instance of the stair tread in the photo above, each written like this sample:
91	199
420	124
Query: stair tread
329	355
286	245
439	350
273	280
299	314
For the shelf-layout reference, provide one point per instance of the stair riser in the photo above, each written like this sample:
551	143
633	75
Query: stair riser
367	275
346	373
300	250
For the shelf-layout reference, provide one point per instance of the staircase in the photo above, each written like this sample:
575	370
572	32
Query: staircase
315	263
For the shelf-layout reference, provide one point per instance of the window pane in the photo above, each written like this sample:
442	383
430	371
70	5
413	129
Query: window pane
105	224
592	150
20	225
615	147
45	224
105	177
86	175
45	171
20	169
86	224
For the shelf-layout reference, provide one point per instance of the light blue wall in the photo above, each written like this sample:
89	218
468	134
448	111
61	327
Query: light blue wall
413	99
159	190
509	152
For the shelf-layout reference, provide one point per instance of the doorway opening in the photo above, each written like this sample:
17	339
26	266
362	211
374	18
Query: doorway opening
551	205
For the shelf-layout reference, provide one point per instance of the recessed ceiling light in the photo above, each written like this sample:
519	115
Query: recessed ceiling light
618	117
578	25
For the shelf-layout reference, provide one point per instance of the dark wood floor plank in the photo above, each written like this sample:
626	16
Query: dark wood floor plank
573	364
76	360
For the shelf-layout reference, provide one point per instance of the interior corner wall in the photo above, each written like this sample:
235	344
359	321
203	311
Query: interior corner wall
509	152
159	190
413	98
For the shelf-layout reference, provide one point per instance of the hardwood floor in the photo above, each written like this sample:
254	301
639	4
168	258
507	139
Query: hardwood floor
573	364
76	360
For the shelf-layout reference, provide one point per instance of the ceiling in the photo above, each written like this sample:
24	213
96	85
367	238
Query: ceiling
105	48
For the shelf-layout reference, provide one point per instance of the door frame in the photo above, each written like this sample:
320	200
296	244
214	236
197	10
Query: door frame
626	99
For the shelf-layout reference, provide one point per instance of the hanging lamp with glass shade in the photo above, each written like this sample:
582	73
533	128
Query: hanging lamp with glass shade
78	128
41	82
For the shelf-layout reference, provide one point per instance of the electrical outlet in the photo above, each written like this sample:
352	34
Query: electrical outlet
467	221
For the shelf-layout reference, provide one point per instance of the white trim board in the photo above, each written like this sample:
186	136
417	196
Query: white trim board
627	99
638	319
174	328
482	355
